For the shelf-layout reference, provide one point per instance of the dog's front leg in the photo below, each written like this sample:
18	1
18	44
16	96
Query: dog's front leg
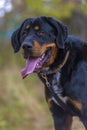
62	119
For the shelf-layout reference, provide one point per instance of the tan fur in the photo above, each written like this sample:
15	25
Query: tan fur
77	104
36	27
38	50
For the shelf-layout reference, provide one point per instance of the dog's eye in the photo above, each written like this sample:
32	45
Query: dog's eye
40	33
24	33
27	27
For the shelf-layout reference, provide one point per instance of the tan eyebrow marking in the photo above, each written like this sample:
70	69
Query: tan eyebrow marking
27	27
36	27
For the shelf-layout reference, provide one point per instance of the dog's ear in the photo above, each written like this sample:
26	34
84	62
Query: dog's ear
61	31
15	38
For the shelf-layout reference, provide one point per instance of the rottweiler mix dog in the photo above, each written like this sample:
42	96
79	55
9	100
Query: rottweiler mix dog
60	60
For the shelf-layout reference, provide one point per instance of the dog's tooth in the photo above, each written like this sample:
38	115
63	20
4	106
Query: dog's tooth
43	55
37	64
40	59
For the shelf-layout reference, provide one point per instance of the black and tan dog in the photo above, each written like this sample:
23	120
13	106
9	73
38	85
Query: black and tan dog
60	60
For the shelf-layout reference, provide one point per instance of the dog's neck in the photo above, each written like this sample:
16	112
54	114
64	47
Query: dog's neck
56	68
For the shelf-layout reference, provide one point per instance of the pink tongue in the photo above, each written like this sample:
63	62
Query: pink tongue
30	67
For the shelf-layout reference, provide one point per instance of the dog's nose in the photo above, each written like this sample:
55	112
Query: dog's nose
27	45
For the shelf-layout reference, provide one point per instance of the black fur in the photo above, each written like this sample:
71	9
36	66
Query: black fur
60	40
73	75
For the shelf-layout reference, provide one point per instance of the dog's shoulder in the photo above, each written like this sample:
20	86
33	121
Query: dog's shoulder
74	41
78	56
77	46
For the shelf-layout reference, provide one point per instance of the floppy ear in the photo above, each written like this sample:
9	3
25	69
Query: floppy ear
15	38
61	31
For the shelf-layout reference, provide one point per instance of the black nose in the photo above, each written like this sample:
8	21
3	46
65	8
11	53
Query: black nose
27	45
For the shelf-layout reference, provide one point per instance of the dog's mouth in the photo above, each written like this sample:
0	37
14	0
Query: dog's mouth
36	64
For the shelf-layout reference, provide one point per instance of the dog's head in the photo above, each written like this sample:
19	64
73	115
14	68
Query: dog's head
40	38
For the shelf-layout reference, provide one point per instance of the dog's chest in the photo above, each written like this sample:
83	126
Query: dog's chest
58	90
55	83
56	78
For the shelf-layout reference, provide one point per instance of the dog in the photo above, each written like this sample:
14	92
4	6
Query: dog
60	61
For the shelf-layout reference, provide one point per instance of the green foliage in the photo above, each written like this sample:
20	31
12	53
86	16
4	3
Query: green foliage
84	9
56	8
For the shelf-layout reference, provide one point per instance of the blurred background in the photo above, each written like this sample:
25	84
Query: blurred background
22	102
